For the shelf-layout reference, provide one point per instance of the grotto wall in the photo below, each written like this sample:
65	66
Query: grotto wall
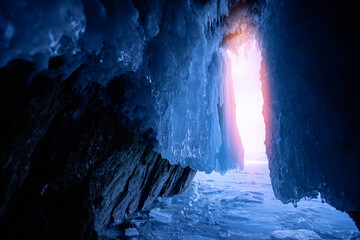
172	46
104	106
69	166
312	101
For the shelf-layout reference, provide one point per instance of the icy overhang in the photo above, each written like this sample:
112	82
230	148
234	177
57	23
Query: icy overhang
168	55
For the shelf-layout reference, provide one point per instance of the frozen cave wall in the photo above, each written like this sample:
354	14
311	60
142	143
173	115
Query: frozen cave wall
107	104
104	106
69	167
173	48
312	100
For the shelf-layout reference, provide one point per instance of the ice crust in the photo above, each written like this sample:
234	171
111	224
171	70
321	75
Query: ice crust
300	234
159	216
171	50
37	30
241	205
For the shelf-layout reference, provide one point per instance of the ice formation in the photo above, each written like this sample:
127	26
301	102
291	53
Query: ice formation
239	205
159	216
299	234
152	75
131	232
174	63
312	112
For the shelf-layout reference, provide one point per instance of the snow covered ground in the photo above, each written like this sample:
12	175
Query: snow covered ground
238	205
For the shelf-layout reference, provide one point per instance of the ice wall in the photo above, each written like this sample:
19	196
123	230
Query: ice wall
188	72
312	100
171	48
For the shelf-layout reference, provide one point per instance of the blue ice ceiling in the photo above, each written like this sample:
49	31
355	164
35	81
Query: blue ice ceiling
174	62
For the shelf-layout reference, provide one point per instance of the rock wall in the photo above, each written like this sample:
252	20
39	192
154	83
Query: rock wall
173	48
68	165
312	101
91	92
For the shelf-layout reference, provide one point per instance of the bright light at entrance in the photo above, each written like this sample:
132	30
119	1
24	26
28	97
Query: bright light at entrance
245	71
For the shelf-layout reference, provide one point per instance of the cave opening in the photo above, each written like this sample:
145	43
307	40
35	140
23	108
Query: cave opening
133	119
245	76
241	203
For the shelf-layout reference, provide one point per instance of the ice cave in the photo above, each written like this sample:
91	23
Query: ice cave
185	119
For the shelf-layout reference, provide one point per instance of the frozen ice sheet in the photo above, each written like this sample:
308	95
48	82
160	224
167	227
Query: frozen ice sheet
241	205
300	234
163	217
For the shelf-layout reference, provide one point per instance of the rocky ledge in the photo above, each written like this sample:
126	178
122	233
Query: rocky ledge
69	164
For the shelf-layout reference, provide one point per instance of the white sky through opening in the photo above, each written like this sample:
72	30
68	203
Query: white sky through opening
245	73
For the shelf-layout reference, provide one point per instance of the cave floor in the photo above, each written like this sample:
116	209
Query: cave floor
238	205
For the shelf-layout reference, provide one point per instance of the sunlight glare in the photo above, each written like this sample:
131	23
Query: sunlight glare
245	73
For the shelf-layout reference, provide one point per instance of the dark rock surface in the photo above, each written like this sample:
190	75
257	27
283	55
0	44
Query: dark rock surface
69	166
102	87
172	48
312	100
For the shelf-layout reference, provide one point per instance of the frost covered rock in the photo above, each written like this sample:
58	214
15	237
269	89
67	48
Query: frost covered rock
131	232
38	30
71	160
300	234
193	219
171	49
96	95
312	100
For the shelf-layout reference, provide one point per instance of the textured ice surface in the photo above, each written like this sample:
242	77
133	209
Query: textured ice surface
188	86
169	51
241	205
312	109
300	234
37	30
131	232
195	237
158	215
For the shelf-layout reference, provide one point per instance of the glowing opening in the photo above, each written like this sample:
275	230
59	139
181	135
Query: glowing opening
245	74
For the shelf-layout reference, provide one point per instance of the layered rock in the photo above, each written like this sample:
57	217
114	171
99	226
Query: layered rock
102	89
69	166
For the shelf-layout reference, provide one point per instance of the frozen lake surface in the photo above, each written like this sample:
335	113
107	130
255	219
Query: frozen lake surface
238	205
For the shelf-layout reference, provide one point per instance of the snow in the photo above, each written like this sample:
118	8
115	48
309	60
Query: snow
241	205
300	234
194	237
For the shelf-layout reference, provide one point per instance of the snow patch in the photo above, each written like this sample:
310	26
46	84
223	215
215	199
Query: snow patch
300	234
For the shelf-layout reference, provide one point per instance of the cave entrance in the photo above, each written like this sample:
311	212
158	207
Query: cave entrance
245	75
240	204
